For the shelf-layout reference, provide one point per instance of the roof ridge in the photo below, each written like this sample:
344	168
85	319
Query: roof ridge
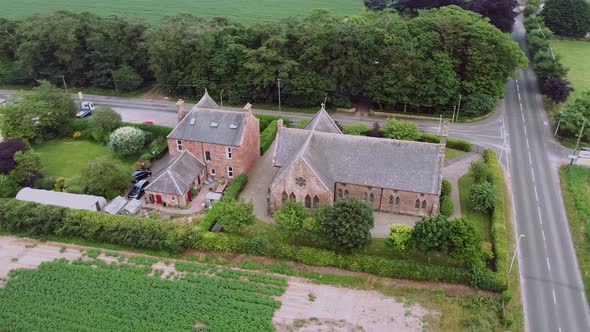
369	138
174	180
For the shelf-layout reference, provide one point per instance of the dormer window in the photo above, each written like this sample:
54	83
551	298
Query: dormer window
179	145
228	152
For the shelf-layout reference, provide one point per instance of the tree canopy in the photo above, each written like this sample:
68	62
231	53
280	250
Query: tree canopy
104	177
568	18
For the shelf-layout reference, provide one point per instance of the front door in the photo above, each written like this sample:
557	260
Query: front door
189	195
158	199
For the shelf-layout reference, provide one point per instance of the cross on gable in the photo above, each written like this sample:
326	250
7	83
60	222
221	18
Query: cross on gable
300	182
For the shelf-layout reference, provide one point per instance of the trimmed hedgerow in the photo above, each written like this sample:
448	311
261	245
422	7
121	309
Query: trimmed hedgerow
232	193
155	130
452	143
268	136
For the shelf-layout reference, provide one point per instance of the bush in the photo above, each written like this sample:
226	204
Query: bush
8	187
268	136
104	177
231	193
142	164
59	183
359	129
155	130
74	185
431	234
291	220
400	237
265	120
234	215
127	140
346	225
452	143
47	183
480	171
447	207
479	104
482	196
102	122
465	243
27	169
127	79
401	130
446	188
7	150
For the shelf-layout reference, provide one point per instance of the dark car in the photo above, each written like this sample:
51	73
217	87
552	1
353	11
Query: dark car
138	189
141	174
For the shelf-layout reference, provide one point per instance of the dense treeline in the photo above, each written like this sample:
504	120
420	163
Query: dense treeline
425	62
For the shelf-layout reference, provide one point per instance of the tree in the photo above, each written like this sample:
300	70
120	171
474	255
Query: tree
483	196
127	140
573	116
557	89
292	220
480	171
102	122
346	225
399	237
432	234
127	79
402	130
234	215
7	150
27	169
104	177
547	67
500	12
568	18
376	5
8	187
465	243
478	104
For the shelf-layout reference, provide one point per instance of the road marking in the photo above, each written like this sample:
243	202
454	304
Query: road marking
518	95
517	88
527	142
549	267
533	174
536	195
525	134
543	232
540	219
554	299
530	158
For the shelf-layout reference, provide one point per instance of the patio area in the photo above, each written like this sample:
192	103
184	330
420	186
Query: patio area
198	203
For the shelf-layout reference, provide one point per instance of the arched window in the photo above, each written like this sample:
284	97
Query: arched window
346	193
316	202
308	201
424	205
365	197
397	201
339	193
371	198
417	205
292	197
285	197
391	200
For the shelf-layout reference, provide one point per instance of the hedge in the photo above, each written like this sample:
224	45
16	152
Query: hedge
499	233
31	218
265	120
155	130
232	192
268	136
452	143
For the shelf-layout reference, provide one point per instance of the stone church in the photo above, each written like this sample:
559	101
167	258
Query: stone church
319	164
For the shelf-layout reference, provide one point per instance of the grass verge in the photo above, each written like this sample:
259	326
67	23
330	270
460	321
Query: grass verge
481	221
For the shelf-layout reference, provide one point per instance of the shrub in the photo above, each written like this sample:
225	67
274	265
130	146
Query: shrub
401	130
480	171
155	130
7	150
127	79
265	120
446	188
291	220
465	243
142	164
127	140
431	234
359	129
59	183
47	183
268	136
482	196
104	177
8	187
346	225
74	185
452	143
234	215
400	237
478	104
231	193
103	121
447	207
27	169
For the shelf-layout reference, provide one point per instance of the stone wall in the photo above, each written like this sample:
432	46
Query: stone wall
169	199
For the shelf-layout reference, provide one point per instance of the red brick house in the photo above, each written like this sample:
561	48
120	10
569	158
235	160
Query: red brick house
319	165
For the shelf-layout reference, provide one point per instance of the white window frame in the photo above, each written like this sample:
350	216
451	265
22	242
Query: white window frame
228	152
230	170
179	146
212	172
207	160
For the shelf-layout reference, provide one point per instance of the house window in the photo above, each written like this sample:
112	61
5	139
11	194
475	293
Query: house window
179	145
292	197
424	205
212	171
339	193
417	205
397	201
230	172
365	197
371	198
390	201
284	197
207	156
345	193
228	152
316	202
308	201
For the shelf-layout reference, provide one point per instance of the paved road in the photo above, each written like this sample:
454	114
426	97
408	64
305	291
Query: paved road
553	293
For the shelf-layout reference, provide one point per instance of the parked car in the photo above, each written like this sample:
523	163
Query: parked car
138	189
86	109
148	122
141	174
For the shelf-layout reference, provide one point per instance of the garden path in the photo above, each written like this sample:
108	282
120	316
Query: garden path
454	169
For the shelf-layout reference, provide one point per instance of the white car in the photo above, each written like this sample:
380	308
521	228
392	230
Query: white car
86	109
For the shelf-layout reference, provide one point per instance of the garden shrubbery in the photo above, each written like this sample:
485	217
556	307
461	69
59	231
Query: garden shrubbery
231	193
268	136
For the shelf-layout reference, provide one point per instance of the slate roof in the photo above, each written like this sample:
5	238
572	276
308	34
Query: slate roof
207	123
369	161
179	176
323	122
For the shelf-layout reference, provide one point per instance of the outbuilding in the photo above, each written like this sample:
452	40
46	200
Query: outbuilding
72	201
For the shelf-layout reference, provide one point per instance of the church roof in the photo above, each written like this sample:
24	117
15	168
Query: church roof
323	122
179	176
207	102
369	161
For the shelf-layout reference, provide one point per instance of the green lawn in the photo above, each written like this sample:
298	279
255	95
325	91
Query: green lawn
481	221
575	186
452	153
67	157
245	11
575	55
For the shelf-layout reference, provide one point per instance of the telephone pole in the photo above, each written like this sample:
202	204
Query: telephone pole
279	87
63	79
580	136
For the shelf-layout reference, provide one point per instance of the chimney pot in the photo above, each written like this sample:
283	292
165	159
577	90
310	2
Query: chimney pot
180	109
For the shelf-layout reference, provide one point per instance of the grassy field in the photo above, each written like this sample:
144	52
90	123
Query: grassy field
575	55
93	295
481	221
575	186
67	157
245	11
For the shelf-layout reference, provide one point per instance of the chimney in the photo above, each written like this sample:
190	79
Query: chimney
444	134
248	108
180	109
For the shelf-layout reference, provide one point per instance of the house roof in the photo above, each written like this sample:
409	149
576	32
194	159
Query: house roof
322	121
73	201
179	176
369	161
207	123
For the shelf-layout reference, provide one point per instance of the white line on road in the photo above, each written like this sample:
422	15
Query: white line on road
540	219
533	174
525	134
543	232
549	267
530	158
536	195
554	299
527	142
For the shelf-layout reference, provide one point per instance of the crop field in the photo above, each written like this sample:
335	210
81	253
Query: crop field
575	55
245	11
90	294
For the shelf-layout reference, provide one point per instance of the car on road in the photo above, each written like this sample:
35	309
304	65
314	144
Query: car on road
138	189
148	122
141	174
86	109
